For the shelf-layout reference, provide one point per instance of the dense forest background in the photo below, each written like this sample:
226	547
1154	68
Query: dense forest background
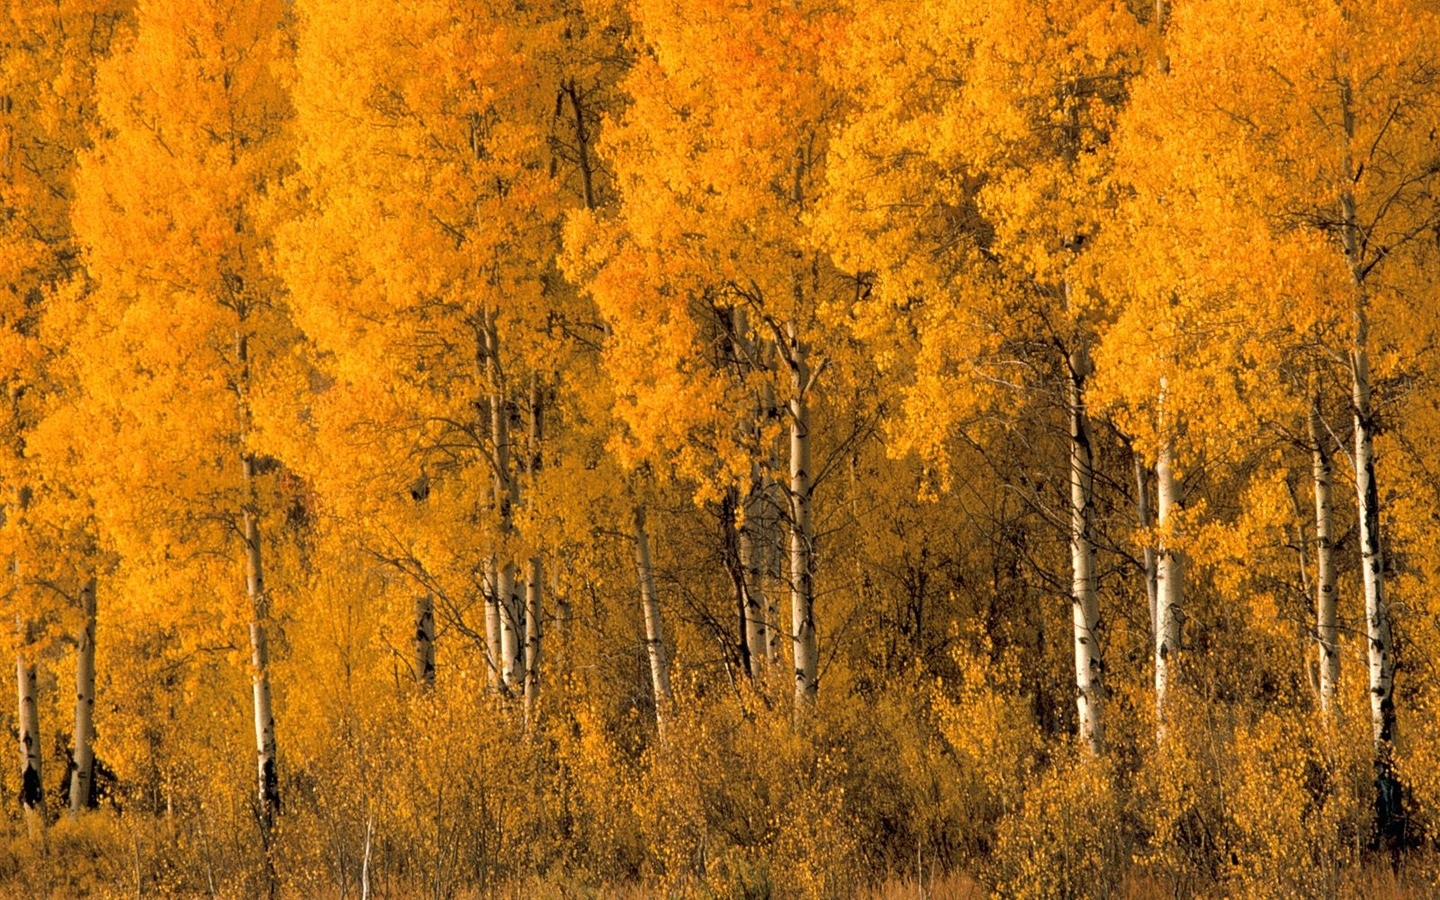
789	448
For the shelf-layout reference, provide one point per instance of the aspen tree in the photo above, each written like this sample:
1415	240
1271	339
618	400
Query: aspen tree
671	271
82	773
650	609
1319	125
1326	632
1004	187
32	787
48	55
427	303
169	209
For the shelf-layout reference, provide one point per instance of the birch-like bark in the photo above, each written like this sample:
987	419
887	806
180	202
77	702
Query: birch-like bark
512	627
425	641
83	771
1380	646
1377	613
491	589
1169	573
1089	669
32	791
802	534
268	780
1326	633
267	776
650	607
506	493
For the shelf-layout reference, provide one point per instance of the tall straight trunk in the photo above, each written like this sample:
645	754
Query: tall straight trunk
506	493
650	607
1085	606
512	627
1142	515
1326	633
82	774
802	534
267	775
32	790
268	781
752	563
493	655
425	640
1169	573
1381	655
1380	647
1377	613
534	580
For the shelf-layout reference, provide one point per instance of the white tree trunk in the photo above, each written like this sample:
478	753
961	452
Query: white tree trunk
1169	573
512	628
425	640
84	766
506	493
268	781
1326	633
32	788
650	607
493	655
802	535
1089	669
534	581
1377	613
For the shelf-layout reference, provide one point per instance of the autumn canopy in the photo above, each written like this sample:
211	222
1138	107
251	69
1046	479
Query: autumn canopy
797	448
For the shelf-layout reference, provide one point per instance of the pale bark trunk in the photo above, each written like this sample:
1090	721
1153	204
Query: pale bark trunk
84	765
268	781
1089	669
1377	613
534	581
267	775
512	628
506	492
32	789
492	626
650	606
1380	646
1169	573
802	535
1142	514
1326	633
425	640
